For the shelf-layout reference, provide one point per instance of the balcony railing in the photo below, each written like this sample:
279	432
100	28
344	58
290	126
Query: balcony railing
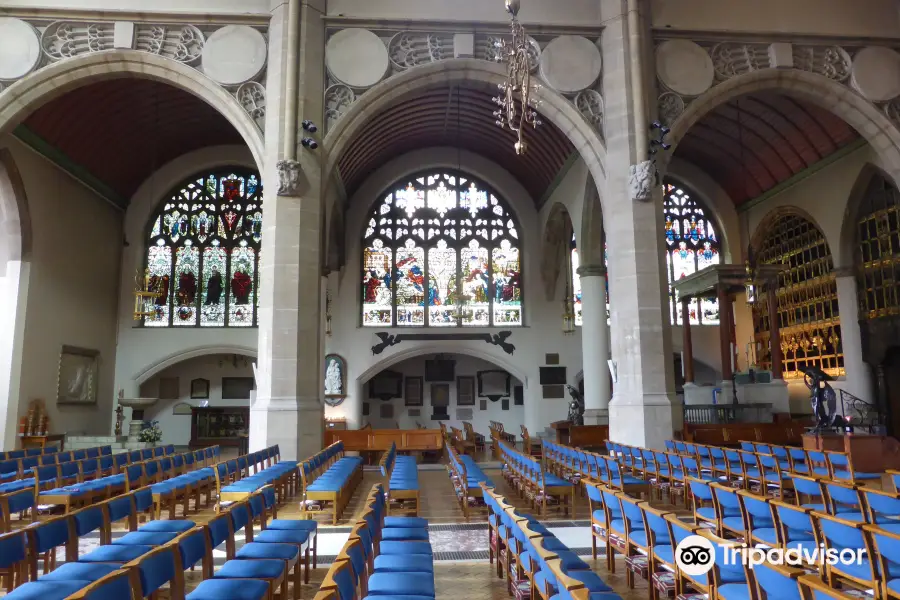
703	414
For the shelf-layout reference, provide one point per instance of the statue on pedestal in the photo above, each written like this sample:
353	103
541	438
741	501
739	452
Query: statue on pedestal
576	406
120	418
822	396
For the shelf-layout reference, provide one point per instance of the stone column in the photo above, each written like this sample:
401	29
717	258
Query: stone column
288	409
774	333
726	324
641	411
857	373
687	346
595	345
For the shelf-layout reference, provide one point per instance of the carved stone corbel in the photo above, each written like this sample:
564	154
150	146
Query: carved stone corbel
288	177
641	179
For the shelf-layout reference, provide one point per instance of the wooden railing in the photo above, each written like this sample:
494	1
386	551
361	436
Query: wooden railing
726	413
361	440
782	434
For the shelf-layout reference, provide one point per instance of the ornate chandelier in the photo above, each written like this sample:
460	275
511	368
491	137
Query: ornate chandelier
518	86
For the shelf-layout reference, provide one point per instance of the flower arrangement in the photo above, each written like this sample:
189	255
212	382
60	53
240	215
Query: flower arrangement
150	432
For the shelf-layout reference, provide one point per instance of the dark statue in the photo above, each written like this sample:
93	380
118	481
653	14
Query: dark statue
822	397
576	406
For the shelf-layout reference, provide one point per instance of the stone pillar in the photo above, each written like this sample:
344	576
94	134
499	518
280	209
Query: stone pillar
641	412
288	408
726	324
687	346
857	373
595	345
774	333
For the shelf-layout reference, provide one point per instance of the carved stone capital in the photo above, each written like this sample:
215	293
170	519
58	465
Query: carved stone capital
288	177
591	271
641	179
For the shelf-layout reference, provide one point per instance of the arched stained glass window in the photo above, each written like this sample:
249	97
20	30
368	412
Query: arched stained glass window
203	251
441	250
691	245
878	250
576	283
808	316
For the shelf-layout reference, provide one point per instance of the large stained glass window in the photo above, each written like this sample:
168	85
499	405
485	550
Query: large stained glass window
203	251
441	250
691	245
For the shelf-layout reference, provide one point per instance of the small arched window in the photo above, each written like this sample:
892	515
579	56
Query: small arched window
441	249
809	322
691	245
203	251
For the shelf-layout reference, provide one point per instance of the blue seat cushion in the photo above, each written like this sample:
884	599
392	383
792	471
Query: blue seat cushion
664	554
253	550
404	484
733	523
409	563
283	536
766	534
407	522
409	584
706	512
146	538
47	590
216	589
164	526
406	548
115	554
250	569
304	524
554	481
394	534
80	571
734	591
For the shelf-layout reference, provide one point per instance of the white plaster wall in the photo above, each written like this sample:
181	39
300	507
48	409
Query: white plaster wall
177	428
871	18
541	334
144	350
72	293
465	365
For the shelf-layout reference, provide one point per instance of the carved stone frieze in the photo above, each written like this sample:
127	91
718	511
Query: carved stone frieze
183	43
641	179
338	99
252	96
412	48
590	103
288	177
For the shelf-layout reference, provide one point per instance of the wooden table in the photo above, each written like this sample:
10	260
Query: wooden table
869	453
41	441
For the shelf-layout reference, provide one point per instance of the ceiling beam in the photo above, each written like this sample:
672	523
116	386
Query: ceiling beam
65	163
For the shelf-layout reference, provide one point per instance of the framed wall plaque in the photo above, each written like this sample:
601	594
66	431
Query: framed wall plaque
465	390
237	388
412	391
199	389
78	373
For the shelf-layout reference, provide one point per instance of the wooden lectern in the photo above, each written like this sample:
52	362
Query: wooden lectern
869	453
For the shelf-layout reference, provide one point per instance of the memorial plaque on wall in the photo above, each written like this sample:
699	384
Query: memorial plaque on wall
554	391
412	391
236	388
482	404
518	396
504	404
464	414
465	391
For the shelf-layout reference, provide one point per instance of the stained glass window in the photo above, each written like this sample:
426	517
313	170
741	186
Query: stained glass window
809	321
203	251
441	250
691	245
576	283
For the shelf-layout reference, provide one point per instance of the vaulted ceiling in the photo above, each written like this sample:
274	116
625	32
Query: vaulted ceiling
753	143
457	117
118	132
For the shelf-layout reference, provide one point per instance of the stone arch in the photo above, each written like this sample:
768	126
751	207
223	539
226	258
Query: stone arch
189	353
835	97
451	347
848	238
15	253
554	246
32	91
592	239
554	107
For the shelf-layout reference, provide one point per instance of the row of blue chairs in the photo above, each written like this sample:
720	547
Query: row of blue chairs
401	478
329	477
467	477
158	552
533	561
51	487
23	468
534	482
35	451
386	558
16	463
236	479
574	464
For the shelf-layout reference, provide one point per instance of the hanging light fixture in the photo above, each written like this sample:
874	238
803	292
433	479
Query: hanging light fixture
568	317
518	86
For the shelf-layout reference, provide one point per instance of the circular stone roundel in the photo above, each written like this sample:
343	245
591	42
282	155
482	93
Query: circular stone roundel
234	54
876	73
684	67
356	57
20	48
570	64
